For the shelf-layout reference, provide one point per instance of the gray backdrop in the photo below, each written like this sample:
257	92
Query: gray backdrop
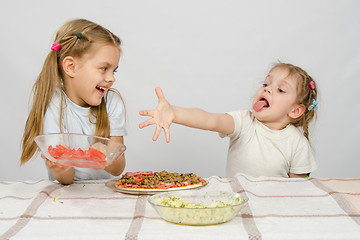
207	54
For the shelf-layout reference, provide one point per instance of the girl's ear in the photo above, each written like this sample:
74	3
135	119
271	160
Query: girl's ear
297	111
68	66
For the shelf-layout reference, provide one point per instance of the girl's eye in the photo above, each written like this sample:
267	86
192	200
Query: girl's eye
265	84
104	69
280	90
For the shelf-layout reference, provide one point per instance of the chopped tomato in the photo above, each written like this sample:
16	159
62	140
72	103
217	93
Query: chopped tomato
91	158
96	155
56	152
201	180
163	185
80	154
187	183
138	178
160	186
146	173
139	173
119	182
131	173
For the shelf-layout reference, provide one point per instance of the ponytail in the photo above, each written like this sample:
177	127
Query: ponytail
43	90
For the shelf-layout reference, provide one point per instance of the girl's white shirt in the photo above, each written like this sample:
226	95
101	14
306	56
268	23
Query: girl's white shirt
75	119
258	151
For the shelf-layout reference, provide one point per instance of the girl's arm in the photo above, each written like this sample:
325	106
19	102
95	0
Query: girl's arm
165	114
118	165
294	175
201	119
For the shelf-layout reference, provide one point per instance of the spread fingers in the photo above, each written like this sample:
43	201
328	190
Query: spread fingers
157	132
146	113
146	123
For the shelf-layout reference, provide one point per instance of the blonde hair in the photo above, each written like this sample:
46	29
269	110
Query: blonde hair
305	94
75	38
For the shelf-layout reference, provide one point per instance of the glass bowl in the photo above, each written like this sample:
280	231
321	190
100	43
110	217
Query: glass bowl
197	207
79	150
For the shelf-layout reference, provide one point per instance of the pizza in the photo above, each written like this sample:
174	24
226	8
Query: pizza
158	181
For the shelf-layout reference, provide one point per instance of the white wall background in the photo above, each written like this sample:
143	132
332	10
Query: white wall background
203	53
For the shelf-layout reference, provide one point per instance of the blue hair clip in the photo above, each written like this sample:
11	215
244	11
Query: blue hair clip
313	105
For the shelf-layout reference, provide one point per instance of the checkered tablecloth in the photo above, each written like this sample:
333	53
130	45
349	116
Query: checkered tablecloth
278	208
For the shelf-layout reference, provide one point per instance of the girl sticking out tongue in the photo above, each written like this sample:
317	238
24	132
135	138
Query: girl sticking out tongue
265	141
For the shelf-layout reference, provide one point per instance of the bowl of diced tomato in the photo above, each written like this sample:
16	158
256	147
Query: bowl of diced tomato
79	150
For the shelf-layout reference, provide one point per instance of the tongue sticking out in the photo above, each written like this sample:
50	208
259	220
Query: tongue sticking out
260	105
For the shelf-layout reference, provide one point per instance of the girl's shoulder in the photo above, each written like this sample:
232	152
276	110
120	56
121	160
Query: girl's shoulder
244	115
113	96
244	123
114	102
58	100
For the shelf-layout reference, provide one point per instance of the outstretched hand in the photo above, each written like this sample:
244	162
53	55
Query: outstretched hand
162	116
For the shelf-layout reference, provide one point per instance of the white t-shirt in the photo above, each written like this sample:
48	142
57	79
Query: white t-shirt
257	150
75	119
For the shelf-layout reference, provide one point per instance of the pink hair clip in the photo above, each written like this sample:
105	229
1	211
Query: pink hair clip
312	85
55	47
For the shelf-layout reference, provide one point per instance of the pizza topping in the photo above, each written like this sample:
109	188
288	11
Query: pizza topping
158	180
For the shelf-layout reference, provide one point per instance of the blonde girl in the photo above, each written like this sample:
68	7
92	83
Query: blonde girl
264	141
73	94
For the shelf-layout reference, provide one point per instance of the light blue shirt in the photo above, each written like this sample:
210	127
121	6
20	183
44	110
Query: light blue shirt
75	119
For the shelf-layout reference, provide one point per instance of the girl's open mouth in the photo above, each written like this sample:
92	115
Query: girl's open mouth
261	104
101	90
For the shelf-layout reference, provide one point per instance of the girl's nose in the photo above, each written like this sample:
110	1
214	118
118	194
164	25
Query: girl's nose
267	89
110	78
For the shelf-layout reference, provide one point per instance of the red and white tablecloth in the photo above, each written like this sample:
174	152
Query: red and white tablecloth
278	208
